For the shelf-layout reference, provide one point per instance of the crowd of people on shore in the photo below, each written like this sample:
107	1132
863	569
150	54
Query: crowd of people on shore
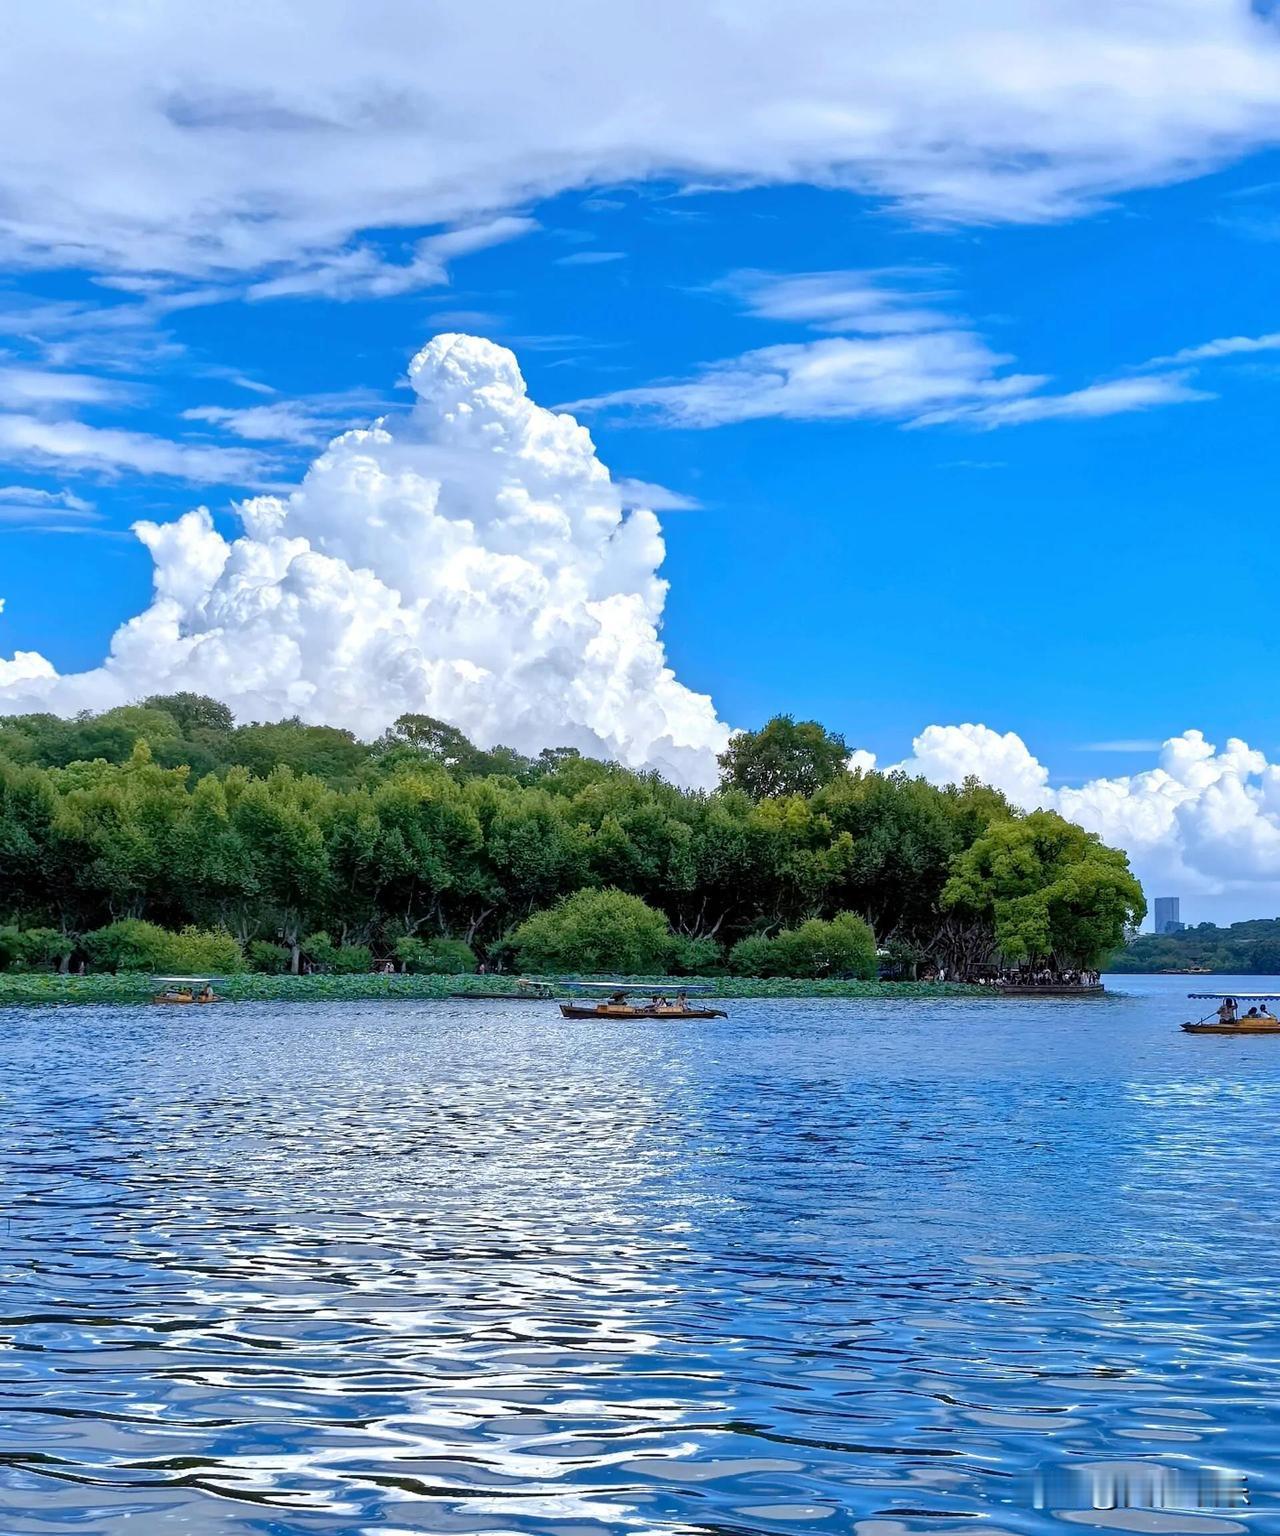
1039	977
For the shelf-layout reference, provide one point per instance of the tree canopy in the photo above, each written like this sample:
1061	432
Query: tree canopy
784	758
170	813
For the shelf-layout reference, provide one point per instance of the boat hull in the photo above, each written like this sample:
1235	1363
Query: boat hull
578	1011
1272	1027
500	997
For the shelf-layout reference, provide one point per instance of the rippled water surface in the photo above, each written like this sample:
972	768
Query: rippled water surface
822	1266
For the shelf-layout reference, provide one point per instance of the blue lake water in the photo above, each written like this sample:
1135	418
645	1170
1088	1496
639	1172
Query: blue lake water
822	1266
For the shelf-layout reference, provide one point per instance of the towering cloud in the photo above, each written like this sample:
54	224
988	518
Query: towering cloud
1202	821
472	561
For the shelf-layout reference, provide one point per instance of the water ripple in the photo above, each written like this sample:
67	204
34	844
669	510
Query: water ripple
821	1266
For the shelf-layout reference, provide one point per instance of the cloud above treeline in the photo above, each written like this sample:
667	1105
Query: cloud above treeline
263	139
472	560
1203	820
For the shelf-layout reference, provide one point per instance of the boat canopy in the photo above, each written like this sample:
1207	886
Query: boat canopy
1245	997
186	981
673	984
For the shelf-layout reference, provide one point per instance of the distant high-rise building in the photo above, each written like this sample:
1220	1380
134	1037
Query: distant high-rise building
1167	919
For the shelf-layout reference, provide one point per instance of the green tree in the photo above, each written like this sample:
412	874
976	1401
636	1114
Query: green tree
594	931
1050	891
193	712
784	758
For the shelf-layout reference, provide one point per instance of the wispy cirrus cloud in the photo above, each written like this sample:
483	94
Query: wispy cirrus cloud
109	451
1222	346
300	422
39	388
363	272
890	351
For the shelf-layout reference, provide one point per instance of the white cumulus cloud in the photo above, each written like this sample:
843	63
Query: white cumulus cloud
471	560
1203	821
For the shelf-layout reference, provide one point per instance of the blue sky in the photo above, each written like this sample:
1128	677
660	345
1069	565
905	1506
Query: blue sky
1079	581
1030	506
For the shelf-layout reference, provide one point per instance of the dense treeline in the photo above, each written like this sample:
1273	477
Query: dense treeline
282	835
1244	949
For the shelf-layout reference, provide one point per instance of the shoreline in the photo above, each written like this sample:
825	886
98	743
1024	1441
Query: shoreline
37	989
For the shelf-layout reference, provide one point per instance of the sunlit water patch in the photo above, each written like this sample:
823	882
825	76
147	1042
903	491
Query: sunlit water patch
889	1267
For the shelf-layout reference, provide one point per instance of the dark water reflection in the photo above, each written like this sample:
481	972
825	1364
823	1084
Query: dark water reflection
473	1268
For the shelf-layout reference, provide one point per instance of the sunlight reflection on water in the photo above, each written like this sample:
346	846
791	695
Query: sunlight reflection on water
823	1265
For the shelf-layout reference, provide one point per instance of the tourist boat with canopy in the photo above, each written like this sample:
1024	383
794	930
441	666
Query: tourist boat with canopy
1227	1018
184	991
608	1000
527	991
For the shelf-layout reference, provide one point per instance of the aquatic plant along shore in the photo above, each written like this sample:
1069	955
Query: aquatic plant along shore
35	989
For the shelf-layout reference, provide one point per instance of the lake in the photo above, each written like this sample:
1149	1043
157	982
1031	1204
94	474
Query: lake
873	1266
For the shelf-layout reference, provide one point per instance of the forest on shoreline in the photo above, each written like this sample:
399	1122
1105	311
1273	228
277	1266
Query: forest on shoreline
1249	948
164	835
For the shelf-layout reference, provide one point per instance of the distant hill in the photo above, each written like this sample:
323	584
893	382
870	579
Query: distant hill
1243	949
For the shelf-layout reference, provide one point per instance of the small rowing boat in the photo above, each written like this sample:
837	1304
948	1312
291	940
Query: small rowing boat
614	1005
526	992
1227	1019
185	991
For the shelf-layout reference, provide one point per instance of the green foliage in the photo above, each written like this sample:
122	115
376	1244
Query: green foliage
785	758
24	989
755	955
1244	949
1051	891
270	959
695	957
842	947
133	945
26	949
436	957
594	931
169	813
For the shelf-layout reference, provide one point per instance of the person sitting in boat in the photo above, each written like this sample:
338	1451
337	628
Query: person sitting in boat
1253	1013
206	993
1227	1011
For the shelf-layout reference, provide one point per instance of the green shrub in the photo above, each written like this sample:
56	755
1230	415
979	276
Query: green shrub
319	949
436	957
35	949
695	957
594	931
10	947
351	959
339	959
845	946
134	945
269	959
755	956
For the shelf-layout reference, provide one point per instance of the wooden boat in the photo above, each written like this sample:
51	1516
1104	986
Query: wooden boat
526	992
614	1004
185	991
1263	1022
